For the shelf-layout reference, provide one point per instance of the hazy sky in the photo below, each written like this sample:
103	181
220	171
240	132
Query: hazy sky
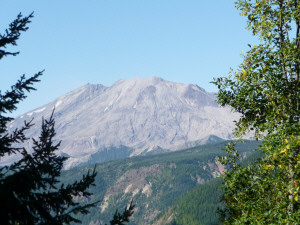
94	41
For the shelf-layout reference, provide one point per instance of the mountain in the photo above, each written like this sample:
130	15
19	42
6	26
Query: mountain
140	114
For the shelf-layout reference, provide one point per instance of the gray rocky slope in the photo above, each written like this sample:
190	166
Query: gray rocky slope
140	113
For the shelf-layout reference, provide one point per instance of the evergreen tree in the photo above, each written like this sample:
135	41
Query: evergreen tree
266	91
121	219
30	190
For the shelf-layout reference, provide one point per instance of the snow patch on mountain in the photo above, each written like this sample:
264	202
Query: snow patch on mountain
137	113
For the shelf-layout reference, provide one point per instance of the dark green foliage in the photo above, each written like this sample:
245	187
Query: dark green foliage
178	175
30	190
122	219
200	205
13	33
265	89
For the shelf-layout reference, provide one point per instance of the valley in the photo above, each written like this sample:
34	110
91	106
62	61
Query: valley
157	183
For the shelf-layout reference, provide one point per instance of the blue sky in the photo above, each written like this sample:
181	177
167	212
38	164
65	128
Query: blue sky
95	41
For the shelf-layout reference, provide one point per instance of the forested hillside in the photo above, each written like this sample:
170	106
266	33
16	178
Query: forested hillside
155	182
199	205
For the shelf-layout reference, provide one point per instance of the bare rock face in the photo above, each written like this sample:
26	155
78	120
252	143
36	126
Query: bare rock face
139	113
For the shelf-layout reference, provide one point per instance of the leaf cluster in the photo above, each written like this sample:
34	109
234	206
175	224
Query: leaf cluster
266	91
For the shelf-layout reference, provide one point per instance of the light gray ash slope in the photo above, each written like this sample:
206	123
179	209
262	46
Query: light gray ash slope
138	113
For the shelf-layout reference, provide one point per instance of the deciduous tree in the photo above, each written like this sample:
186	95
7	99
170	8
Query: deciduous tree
266	91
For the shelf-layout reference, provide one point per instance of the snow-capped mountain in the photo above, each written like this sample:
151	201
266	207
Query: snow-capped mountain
140	113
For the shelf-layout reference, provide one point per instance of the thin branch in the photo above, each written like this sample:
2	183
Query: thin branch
282	39
297	44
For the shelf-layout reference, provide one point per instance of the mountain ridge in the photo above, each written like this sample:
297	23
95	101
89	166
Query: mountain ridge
138	113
